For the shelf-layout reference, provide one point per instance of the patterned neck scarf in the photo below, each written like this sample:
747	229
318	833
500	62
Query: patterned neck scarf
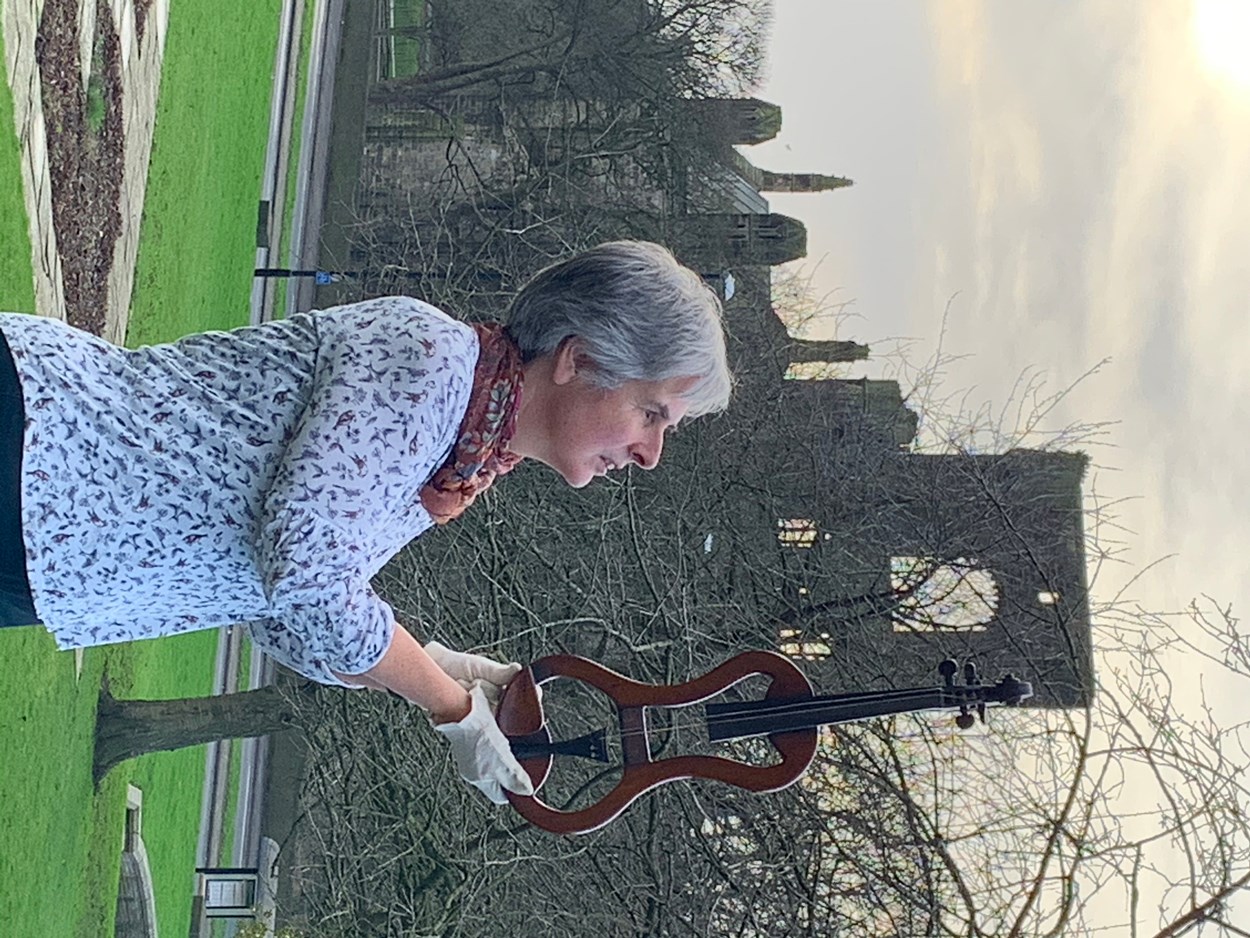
481	450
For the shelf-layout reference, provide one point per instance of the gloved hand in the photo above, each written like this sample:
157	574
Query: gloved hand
466	668
483	756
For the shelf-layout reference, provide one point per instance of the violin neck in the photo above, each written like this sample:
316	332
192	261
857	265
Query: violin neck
745	719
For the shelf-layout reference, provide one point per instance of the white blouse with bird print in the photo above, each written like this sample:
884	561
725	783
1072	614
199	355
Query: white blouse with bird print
261	475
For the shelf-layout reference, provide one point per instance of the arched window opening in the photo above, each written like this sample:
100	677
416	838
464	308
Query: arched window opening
942	596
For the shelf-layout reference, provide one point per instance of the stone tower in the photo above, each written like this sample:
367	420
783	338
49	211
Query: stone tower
801	182
721	241
900	559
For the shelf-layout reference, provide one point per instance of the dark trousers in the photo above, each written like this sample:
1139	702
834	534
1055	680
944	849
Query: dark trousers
16	606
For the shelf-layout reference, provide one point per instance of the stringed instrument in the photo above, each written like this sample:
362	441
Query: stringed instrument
789	715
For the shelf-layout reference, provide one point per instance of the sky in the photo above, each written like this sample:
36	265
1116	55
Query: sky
1054	187
1045	188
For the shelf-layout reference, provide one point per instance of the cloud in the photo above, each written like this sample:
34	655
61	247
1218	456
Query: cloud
1109	182
1088	196
1080	184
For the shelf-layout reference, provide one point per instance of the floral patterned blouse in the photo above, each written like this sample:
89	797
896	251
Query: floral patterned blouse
261	475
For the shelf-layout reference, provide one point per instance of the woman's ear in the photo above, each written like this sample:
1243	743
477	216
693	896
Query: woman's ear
567	361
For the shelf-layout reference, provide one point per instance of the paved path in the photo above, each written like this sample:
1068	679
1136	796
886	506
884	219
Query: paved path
231	673
20	26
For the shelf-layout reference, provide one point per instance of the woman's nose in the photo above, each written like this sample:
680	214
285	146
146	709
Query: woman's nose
647	453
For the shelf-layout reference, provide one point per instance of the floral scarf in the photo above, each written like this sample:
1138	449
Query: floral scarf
481	450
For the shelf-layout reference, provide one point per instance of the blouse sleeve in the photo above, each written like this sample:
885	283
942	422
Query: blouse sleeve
388	396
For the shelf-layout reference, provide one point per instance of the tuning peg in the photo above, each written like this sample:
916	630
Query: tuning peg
971	677
947	669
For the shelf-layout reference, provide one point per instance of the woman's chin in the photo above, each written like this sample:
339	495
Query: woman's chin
576	478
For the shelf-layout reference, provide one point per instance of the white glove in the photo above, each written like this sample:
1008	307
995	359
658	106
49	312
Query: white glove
465	669
483	756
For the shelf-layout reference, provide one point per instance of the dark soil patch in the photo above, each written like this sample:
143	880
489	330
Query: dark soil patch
85	153
141	16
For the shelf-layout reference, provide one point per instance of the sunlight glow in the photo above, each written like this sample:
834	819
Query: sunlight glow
1221	30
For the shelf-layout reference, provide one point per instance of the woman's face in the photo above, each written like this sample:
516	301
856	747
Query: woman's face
593	431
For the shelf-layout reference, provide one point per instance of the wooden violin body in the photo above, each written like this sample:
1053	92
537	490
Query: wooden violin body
789	716
520	716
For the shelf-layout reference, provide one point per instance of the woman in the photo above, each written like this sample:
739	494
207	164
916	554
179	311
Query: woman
267	474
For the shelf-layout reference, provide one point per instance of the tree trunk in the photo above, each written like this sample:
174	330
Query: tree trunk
129	728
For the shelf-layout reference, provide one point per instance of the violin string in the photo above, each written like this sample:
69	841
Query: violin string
763	710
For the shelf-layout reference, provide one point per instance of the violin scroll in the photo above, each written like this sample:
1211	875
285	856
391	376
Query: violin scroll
1009	691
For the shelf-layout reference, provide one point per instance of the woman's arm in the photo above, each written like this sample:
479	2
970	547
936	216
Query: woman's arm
406	669
482	753
390	385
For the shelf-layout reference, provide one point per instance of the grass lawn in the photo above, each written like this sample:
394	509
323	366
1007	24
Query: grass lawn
59	840
17	285
198	246
46	798
406	50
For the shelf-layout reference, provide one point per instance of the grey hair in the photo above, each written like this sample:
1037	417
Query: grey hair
638	314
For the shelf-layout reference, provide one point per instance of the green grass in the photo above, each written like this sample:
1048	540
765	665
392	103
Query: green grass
407	49
46	798
60	841
17	282
68	885
95	104
172	783
231	812
292	167
198	248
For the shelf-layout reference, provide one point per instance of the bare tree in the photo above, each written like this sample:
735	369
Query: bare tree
605	49
1126	811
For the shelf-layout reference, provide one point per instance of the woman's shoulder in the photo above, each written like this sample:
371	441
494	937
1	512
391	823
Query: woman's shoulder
396	339
391	311
397	321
